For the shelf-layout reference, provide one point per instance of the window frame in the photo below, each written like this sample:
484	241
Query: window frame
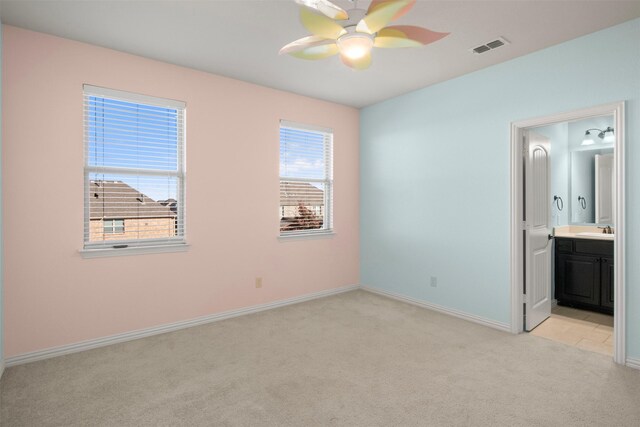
114	247
328	181
112	226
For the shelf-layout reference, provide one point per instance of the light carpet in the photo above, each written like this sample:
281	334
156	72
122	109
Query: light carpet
354	359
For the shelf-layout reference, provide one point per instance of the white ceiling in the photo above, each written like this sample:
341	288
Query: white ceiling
241	38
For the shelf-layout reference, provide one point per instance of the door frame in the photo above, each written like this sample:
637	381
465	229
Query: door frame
616	110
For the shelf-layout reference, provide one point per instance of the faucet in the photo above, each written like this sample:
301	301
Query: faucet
607	230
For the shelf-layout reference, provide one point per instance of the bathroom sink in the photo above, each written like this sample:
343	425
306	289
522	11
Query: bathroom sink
599	235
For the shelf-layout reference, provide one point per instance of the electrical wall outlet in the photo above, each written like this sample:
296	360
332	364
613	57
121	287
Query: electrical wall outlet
258	282
434	282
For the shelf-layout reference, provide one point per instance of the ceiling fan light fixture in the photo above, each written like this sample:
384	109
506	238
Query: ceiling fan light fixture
355	45
355	32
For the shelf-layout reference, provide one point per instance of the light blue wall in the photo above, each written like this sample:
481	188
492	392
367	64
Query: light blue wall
435	172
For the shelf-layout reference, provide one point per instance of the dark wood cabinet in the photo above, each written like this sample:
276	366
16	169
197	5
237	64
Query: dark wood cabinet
584	274
579	279
606	276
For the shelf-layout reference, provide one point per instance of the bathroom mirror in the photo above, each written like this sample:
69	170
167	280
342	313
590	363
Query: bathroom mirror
591	192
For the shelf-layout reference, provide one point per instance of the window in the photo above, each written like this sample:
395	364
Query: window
113	226
133	170
306	179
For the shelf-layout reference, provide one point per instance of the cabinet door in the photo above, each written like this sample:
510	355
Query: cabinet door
606	277
578	279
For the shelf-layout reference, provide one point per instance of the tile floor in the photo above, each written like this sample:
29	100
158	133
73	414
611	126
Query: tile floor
579	328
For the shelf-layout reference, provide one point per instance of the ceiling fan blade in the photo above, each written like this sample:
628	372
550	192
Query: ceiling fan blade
331	10
317	52
375	4
406	36
304	43
320	25
381	16
357	64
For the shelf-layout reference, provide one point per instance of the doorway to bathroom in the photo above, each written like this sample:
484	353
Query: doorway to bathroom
567	179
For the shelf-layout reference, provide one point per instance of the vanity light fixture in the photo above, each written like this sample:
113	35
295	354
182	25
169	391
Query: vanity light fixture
610	137
606	135
588	139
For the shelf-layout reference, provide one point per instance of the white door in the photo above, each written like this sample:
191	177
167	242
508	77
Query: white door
605	190
537	279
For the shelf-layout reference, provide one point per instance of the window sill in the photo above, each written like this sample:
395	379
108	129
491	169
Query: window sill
307	236
139	250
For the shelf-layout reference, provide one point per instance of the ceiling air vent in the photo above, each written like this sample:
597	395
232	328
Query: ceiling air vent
500	41
481	49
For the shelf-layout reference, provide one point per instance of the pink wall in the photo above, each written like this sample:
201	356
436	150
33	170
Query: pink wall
54	297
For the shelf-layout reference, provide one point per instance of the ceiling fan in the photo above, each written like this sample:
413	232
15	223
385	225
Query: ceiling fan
353	33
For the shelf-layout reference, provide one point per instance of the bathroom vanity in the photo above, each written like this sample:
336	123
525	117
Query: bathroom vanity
584	272
582	204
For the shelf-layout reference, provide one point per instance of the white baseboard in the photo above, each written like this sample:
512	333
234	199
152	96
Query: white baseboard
170	327
1	368
633	363
460	314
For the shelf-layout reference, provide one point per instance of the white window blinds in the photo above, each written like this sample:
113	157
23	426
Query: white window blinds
306	179
133	170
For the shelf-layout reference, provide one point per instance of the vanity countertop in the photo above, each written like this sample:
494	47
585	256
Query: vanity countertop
582	232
